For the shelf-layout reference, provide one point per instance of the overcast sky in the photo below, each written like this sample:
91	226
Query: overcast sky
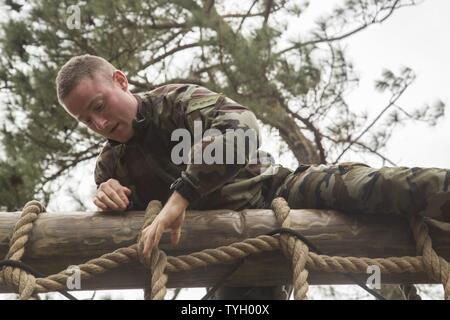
417	37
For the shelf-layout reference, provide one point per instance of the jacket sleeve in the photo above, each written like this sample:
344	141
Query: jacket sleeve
229	141
104	167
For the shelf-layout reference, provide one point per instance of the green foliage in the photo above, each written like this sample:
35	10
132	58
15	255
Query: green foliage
295	86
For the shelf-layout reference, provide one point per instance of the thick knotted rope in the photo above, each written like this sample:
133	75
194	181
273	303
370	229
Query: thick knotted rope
436	267
293	248
159	264
157	261
21	281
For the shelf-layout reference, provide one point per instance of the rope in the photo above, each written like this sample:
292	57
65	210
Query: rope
159	264
436	267
293	248
157	261
14	277
35	273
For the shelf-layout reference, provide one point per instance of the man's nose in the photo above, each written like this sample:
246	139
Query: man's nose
100	123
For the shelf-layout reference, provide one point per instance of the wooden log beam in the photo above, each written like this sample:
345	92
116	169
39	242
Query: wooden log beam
62	239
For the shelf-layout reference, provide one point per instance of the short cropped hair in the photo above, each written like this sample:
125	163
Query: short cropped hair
78	68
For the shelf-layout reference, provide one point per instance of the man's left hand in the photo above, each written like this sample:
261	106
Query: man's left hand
170	217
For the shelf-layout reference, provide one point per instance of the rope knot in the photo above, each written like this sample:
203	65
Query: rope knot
19	280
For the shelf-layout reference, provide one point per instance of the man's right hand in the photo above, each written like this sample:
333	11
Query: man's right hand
111	195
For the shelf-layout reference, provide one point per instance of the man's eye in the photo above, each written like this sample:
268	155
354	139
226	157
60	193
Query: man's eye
98	108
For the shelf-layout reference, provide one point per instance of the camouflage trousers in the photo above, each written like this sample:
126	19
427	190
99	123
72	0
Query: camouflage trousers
357	188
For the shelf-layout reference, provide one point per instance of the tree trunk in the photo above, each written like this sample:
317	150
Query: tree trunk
269	112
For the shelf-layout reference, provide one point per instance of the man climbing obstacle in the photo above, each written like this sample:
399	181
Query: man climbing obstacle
142	159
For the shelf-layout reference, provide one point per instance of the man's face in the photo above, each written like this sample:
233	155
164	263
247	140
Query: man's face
107	108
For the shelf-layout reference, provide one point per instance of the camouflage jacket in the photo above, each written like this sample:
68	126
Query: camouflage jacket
144	164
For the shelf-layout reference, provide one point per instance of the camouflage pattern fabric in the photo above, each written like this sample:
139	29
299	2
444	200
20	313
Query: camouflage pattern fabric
144	163
360	189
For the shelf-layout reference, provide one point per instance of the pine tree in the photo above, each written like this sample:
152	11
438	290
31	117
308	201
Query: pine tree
295	86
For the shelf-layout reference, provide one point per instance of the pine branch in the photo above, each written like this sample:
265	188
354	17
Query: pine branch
345	35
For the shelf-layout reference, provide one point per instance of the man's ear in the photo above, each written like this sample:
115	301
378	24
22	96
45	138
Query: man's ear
121	79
